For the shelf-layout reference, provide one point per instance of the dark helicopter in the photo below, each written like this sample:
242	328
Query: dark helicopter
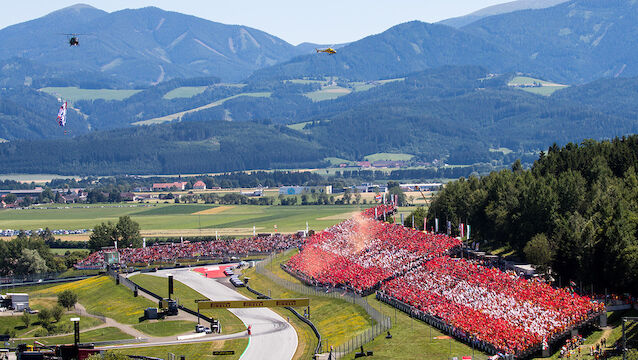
74	39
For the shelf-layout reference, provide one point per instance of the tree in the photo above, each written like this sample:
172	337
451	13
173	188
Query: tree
128	232
31	262
57	312
538	252
44	316
104	234
10	198
26	319
67	299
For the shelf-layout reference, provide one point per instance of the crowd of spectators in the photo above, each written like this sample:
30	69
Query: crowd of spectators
361	253
379	211
193	250
487	304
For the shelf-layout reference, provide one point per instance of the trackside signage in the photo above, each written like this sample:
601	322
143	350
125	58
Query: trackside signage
239	304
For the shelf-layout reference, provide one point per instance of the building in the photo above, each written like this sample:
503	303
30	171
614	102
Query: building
18	301
200	185
178	185
298	190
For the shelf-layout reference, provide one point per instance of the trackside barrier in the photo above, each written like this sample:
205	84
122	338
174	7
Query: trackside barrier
42	282
383	323
133	286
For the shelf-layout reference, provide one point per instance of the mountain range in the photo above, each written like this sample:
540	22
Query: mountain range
447	96
499	9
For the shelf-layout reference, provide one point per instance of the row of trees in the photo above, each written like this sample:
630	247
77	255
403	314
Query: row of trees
575	210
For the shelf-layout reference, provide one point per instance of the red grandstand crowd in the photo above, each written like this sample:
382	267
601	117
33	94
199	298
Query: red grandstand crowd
477	303
511	313
362	252
190	250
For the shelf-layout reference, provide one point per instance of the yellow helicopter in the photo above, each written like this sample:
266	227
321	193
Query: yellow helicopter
329	51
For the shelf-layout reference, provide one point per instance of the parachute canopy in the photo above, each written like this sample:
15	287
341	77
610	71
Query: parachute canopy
62	115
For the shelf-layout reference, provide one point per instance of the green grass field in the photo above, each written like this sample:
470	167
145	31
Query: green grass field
102	334
119	305
191	351
414	339
547	88
182	217
75	94
388	157
299	126
163	328
184	92
15	326
187	296
328	93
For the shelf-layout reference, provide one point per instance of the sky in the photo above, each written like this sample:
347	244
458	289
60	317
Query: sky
295	21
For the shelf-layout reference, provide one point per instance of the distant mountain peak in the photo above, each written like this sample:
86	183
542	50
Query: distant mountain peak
499	9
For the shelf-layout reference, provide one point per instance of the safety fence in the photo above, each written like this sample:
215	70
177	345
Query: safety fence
382	324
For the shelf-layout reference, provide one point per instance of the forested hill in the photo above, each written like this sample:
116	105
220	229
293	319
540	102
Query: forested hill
462	115
191	147
576	210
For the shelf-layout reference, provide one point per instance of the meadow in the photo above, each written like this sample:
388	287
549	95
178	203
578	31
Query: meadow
178	115
187	219
75	94
191	351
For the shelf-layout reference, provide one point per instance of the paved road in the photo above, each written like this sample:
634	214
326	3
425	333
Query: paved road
272	337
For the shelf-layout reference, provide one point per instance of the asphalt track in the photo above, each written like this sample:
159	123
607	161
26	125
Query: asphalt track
272	337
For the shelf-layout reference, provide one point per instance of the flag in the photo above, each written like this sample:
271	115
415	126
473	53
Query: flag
378	197
461	229
449	227
402	222
468	231
436	225
384	198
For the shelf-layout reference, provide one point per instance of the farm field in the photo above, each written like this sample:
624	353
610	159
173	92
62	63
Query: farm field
176	219
546	88
388	157
328	93
75	94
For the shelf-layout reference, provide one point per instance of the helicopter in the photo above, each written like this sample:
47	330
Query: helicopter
74	39
329	51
